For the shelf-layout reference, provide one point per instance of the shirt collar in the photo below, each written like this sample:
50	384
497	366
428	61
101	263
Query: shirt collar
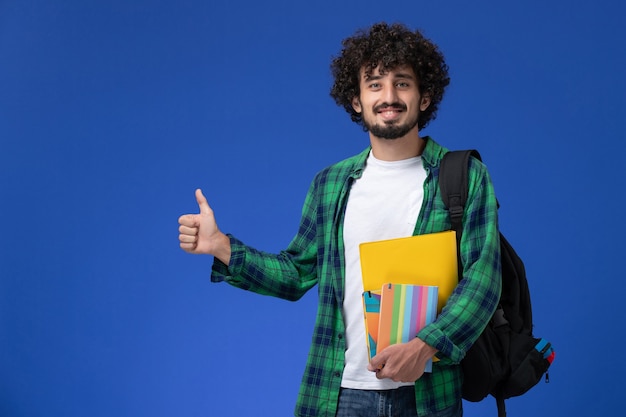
433	153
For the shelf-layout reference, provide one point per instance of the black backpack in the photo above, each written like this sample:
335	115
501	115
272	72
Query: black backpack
506	360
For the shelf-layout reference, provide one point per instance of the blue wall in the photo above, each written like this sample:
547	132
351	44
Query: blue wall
112	113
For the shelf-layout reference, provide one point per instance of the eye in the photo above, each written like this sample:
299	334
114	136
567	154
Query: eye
374	86
403	84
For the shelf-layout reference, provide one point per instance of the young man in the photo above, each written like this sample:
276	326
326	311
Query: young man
391	81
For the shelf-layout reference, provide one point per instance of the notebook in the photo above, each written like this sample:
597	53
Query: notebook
404	310
428	260
371	309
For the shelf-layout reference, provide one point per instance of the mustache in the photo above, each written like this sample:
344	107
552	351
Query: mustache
395	105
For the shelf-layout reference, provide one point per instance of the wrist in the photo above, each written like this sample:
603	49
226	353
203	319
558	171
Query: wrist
422	347
222	249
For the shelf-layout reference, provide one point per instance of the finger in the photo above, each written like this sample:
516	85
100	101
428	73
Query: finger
188	247
377	362
187	238
188	220
186	230
376	368
202	203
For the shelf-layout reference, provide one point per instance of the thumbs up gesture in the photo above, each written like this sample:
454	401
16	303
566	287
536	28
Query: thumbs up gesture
199	233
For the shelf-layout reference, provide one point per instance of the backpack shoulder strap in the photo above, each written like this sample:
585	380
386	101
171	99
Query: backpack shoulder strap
453	182
453	186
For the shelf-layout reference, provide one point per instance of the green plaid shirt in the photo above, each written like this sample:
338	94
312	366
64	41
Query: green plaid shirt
316	256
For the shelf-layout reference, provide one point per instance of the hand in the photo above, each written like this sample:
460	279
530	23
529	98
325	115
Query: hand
199	233
403	362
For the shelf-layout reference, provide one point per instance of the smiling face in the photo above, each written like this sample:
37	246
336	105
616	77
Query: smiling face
390	102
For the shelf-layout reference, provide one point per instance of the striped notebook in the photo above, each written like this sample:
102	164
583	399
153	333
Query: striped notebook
404	310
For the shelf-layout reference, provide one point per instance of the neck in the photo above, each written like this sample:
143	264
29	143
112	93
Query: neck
406	147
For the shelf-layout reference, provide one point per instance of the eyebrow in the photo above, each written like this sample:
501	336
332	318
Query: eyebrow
400	75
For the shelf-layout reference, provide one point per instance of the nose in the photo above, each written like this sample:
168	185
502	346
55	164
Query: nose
390	95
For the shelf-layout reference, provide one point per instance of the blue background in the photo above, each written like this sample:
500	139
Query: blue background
113	112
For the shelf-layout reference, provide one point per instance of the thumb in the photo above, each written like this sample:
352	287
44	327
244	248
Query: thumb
202	203
376	363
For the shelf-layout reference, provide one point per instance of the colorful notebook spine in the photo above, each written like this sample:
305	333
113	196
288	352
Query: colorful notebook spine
401	311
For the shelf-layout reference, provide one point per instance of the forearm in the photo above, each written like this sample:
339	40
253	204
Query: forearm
465	315
286	275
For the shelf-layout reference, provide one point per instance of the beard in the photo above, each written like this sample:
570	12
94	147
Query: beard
390	130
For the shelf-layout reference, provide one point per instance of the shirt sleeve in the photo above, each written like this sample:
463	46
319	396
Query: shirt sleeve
475	298
288	274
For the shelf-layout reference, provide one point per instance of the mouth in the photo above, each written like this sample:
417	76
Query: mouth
390	113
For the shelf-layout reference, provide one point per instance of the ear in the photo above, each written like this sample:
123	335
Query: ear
356	104
425	102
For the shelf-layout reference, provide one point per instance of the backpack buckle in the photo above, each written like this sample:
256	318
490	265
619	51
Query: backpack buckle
456	211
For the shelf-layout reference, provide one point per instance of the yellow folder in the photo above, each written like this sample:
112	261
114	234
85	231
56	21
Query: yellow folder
428	259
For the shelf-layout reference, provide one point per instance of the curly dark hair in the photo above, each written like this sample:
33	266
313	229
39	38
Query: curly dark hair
389	46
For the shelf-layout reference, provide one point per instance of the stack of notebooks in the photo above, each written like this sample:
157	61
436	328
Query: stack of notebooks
407	282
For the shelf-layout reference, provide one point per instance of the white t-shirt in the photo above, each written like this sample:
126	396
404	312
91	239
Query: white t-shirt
383	204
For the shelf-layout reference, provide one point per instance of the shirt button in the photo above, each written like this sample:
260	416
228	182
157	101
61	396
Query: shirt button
340	336
337	374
